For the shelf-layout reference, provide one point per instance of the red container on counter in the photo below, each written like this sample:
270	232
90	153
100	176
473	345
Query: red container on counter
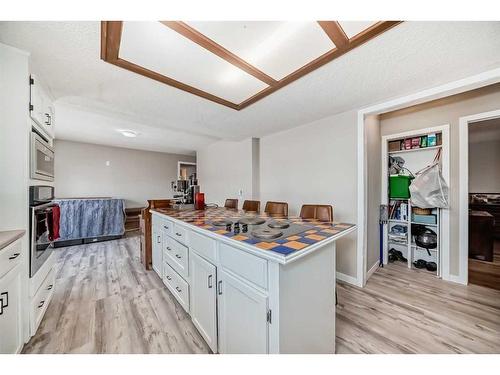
199	201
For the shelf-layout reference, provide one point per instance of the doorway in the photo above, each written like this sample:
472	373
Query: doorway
480	198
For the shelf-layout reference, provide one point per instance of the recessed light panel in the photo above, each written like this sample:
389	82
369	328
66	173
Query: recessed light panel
277	48
156	47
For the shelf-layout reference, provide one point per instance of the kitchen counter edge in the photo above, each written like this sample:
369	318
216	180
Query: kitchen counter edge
9	236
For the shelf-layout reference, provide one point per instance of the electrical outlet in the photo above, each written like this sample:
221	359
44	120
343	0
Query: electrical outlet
108	163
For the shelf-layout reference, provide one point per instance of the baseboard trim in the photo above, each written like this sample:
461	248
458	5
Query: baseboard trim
347	278
372	270
455	279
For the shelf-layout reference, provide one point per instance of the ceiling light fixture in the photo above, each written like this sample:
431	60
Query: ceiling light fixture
128	133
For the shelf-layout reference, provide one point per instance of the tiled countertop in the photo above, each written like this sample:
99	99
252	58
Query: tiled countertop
317	234
9	236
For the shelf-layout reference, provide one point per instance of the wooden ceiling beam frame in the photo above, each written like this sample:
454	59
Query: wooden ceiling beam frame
356	41
110	46
335	33
111	33
172	82
205	42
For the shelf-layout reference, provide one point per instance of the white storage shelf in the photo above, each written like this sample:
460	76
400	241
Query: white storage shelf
415	161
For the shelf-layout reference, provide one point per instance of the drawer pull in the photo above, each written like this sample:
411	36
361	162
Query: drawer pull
210	281
178	289
169	278
220	287
178	234
50	287
41	304
4	303
14	256
158	240
168	248
178	256
166	227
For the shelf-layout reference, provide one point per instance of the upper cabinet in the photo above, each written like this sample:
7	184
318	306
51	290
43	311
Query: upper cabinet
41	107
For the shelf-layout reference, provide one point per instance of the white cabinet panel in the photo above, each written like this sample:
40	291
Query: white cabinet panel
242	313
204	299
177	256
243	264
41	107
180	233
177	285
10	312
156	249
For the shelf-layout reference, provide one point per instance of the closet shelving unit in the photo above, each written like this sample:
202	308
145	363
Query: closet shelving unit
415	159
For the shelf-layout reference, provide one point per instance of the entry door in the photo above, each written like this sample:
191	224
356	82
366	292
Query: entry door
204	299
243	326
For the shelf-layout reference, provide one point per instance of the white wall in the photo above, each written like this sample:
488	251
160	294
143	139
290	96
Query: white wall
484	167
374	180
315	163
133	175
225	167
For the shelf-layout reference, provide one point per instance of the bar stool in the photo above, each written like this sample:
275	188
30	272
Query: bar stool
251	206
231	203
276	209
321	212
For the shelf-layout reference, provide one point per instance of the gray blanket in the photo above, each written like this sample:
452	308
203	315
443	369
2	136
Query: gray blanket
84	218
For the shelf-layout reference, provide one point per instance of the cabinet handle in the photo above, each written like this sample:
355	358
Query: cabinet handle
178	256
210	281
158	240
165	227
4	304
50	287
14	256
41	304
220	287
178	234
48	119
178	289
169	278
168	248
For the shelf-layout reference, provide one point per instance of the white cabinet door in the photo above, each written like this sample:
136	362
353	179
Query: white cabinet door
243	326
157	251
10	312
41	107
204	299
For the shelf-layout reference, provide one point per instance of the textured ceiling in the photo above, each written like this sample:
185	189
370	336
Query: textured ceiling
410	57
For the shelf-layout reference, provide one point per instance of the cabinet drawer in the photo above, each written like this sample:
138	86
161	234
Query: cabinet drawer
204	246
177	256
41	300
176	284
248	266
167	226
179	233
10	257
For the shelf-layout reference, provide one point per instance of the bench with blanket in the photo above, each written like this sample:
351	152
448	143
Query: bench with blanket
85	220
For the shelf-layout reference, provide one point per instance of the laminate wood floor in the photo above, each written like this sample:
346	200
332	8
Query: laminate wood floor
105	302
411	311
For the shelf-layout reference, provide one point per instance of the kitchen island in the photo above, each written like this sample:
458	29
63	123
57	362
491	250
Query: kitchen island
251	283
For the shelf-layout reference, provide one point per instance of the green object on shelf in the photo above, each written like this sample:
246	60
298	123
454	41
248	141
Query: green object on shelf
399	186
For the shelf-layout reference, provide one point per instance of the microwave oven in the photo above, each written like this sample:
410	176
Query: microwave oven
42	158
